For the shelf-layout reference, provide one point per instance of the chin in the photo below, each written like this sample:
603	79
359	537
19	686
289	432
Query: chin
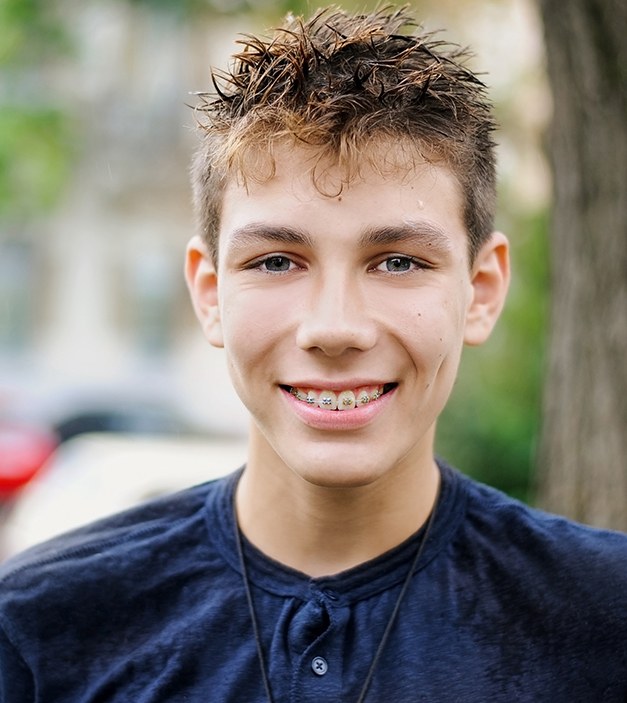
338	476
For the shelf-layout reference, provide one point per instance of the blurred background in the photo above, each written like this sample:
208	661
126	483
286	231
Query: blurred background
98	343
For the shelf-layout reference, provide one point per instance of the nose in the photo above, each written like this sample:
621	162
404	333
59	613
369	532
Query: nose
337	317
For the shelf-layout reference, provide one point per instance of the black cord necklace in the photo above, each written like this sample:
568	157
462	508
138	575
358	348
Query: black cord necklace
388	627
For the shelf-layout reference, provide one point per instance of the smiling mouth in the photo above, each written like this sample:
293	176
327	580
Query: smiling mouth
348	399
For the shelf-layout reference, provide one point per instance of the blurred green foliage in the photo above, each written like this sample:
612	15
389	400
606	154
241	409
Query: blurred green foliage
491	424
187	9
29	33
35	148
34	159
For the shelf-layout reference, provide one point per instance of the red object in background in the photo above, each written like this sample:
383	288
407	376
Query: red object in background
23	450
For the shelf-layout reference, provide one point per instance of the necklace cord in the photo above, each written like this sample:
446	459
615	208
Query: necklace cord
399	600
388	627
251	608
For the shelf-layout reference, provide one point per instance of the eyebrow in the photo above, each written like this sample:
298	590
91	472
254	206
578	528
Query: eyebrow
255	232
427	233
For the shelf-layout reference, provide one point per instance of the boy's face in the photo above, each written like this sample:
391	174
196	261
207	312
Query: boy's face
363	300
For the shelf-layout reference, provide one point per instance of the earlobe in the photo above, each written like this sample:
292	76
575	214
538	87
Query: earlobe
490	282
202	283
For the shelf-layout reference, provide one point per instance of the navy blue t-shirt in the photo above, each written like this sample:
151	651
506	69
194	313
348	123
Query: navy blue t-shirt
506	604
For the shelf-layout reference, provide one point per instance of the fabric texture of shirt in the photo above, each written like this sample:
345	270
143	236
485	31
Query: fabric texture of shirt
148	606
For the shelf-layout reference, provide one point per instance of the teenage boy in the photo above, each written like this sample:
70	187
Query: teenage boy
345	193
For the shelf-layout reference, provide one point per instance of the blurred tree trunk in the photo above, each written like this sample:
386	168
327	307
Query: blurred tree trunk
583	455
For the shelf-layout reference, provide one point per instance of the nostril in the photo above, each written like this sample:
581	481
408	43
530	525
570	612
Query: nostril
337	336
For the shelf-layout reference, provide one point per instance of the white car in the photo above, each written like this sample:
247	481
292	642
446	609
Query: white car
93	475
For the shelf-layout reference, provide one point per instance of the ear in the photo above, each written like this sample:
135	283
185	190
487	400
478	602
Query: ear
202	282
490	280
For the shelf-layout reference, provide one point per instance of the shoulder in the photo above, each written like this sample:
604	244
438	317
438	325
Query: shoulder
488	508
540	598
137	577
535	544
115	543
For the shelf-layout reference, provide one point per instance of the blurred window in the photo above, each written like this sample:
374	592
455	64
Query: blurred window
151	285
17	282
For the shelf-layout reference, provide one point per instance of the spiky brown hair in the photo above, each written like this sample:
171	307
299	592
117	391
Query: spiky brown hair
338	83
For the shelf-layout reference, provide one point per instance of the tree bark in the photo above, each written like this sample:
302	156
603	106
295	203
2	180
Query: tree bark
582	469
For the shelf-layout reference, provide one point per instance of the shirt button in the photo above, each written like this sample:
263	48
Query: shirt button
319	666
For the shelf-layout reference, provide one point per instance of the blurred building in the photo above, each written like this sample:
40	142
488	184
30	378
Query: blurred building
93	298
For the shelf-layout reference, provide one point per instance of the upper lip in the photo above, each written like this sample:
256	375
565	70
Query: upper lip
333	385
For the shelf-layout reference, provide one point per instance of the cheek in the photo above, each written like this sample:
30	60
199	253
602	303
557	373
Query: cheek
438	319
253	326
436	337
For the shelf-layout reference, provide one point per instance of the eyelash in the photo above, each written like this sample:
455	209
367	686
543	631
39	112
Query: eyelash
417	264
258	264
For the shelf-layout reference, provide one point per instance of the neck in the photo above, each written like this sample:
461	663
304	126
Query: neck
321	530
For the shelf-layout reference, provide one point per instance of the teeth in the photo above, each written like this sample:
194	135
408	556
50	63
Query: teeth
363	397
343	400
346	400
327	400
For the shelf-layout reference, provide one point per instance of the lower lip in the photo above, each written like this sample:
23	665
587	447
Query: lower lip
338	420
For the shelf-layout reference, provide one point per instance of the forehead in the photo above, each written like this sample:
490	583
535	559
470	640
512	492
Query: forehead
384	189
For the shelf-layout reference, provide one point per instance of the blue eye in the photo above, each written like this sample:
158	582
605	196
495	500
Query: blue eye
398	264
276	264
